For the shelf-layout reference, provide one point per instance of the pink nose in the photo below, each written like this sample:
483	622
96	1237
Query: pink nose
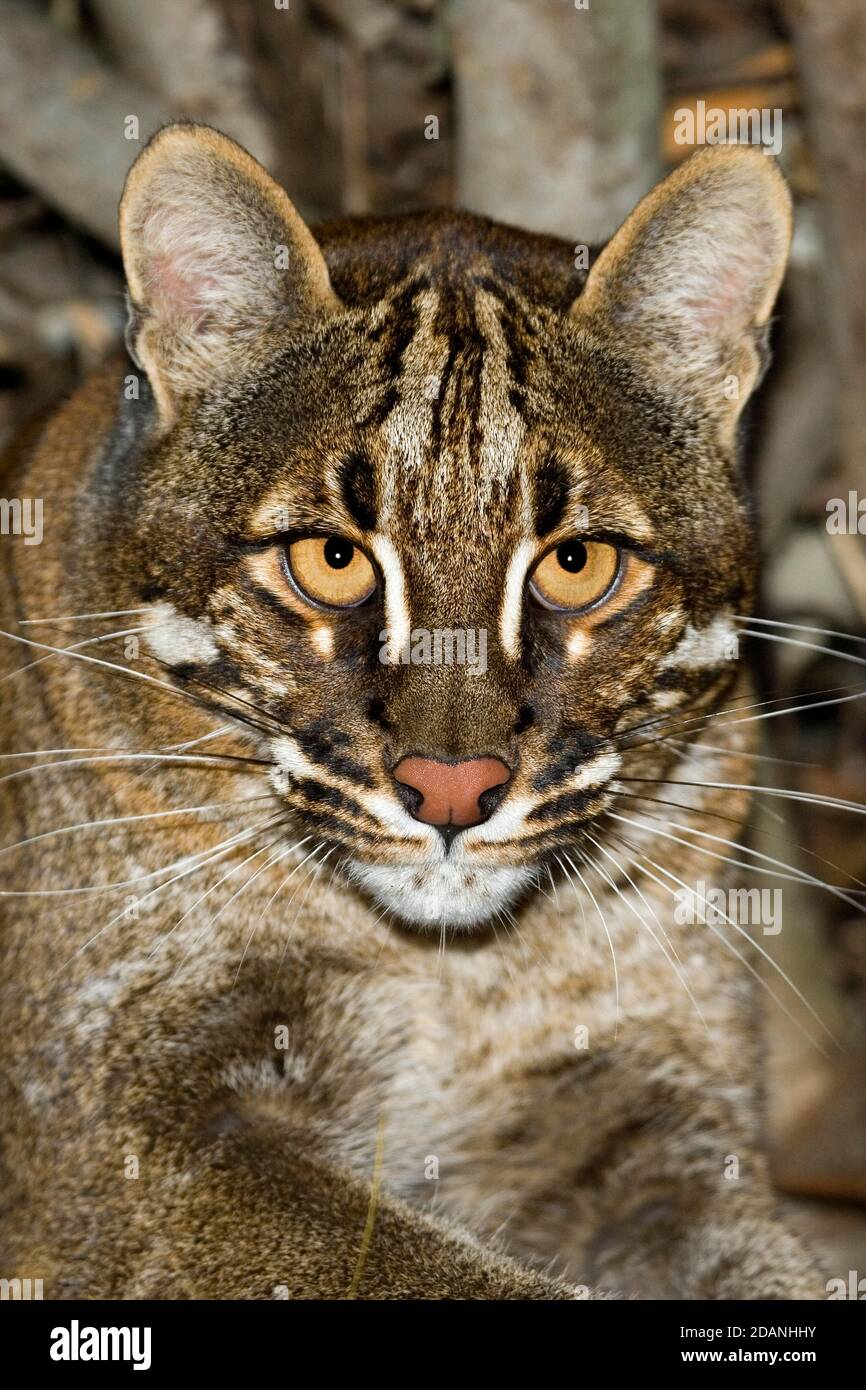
451	791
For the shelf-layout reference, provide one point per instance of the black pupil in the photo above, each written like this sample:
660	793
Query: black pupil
571	555
338	553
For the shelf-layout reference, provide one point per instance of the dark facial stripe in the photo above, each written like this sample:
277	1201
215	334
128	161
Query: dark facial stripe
358	486
566	752
395	334
570	804
322	743
551	495
319	794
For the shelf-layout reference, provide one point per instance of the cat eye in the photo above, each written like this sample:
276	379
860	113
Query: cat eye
331	570
576	575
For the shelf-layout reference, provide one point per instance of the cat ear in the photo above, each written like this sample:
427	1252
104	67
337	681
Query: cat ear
687	284
214	252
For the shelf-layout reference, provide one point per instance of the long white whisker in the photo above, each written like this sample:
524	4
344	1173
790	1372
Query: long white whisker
800	627
780	868
806	646
809	798
76	646
277	890
129	820
310	878
607	934
667	949
82	617
231	873
202	860
751	940
190	759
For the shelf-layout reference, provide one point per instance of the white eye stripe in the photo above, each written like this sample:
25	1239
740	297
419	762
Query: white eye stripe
512	601
397	616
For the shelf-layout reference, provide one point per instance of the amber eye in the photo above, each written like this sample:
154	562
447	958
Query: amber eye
575	575
330	569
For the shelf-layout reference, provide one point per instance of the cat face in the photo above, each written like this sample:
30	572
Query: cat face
443	521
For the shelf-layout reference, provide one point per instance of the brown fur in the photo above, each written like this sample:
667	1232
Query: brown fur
442	383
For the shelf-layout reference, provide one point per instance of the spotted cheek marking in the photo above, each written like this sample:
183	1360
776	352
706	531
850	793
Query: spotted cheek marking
266	570
322	638
578	644
636	576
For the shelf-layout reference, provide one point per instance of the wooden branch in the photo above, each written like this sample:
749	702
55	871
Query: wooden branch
831	46
181	51
557	112
62	117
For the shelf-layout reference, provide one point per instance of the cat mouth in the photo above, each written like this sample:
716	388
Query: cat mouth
451	894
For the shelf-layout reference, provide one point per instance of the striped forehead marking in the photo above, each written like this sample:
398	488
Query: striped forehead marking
451	413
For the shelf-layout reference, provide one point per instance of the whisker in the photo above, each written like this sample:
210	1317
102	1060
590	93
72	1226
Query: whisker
603	921
186	759
203	859
756	830
751	940
675	963
806	646
128	820
280	886
801	627
203	738
76	646
835	803
729	945
781	869
83	617
310	878
279	822
165	686
695	748
716	714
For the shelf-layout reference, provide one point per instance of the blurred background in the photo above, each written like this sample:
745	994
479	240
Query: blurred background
555	115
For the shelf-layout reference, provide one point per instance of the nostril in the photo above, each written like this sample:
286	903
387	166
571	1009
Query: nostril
411	797
460	794
490	800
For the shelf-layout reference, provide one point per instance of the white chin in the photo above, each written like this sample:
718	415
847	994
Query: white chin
441	895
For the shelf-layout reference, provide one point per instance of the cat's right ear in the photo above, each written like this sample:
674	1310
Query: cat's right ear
214	252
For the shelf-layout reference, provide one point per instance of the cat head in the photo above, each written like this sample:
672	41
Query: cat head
448	513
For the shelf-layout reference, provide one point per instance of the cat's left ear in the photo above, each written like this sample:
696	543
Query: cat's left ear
687	284
214	254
